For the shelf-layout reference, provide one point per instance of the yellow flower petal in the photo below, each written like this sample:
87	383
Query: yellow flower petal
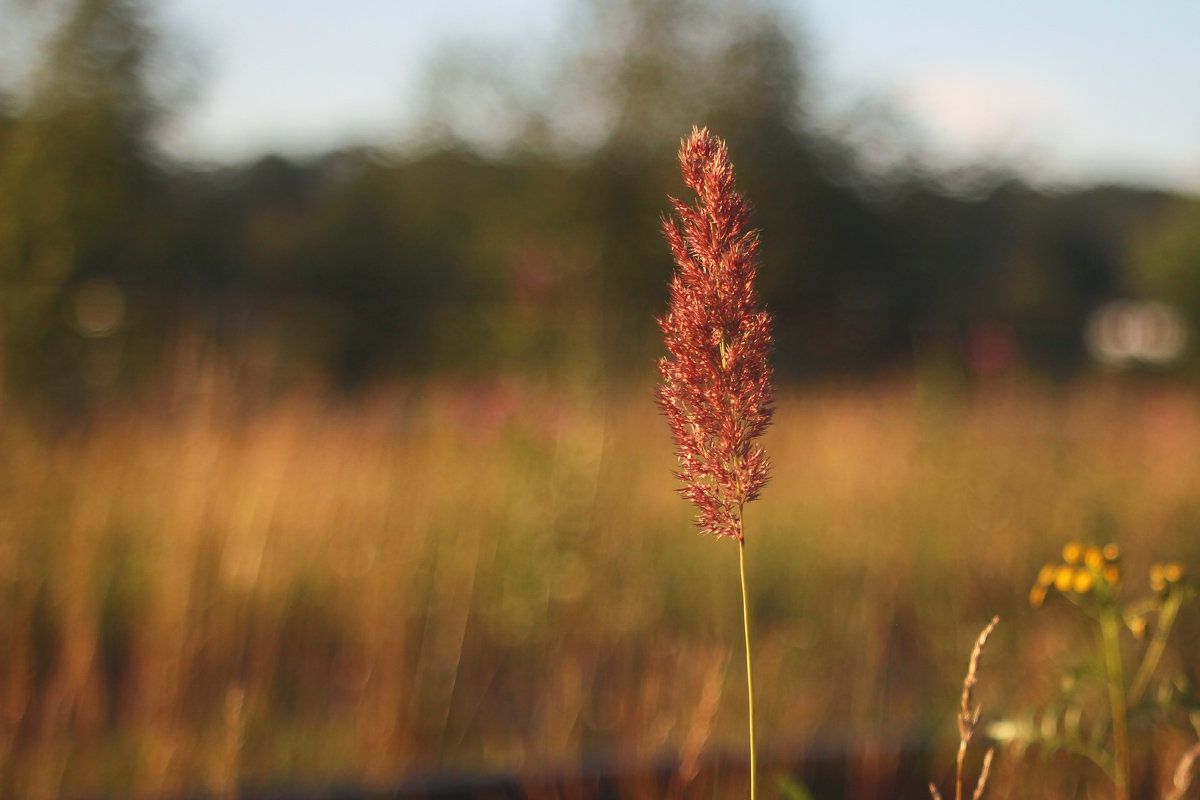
1157	581
1063	578
1083	582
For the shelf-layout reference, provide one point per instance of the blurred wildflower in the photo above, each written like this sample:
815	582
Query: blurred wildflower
1164	576
1157	582
1084	570
1063	578
716	390
1090	577
1083	582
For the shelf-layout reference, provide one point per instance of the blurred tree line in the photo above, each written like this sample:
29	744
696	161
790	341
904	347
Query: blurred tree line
521	232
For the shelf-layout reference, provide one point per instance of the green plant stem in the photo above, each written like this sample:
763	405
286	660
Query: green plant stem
1110	629
749	674
1166	619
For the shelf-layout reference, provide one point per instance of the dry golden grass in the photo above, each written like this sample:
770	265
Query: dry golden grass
500	575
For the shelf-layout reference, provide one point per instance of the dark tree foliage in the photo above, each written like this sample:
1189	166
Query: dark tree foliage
79	183
542	255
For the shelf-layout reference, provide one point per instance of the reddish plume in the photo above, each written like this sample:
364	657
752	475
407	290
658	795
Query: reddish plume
716	390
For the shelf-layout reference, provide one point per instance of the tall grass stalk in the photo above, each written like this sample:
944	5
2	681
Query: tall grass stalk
968	722
749	670
716	390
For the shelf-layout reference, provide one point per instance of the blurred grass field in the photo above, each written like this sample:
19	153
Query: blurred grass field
498	575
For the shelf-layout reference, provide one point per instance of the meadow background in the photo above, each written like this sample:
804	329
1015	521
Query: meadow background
498	577
348	469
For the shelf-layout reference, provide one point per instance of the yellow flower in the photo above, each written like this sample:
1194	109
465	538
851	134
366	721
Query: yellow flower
1173	572
1112	574
1111	552
1063	578
1093	558
1037	595
1046	575
1082	584
1158	581
1072	552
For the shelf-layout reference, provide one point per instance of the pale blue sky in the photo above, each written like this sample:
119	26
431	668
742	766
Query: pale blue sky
1070	90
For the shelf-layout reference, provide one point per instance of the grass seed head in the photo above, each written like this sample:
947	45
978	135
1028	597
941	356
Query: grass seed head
716	378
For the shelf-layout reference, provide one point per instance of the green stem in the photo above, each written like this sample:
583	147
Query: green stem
1110	629
1166	619
749	678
